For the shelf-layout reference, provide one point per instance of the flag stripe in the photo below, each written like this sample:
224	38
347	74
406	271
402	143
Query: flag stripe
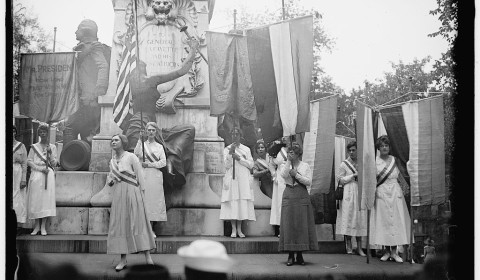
282	64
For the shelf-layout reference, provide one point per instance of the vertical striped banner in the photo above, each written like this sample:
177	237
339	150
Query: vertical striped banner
367	168
426	165
319	142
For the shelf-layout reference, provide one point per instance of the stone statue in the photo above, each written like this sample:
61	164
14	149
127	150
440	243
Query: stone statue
92	72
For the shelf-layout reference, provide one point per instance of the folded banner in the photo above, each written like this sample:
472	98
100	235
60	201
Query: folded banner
424	122
48	86
367	170
229	72
319	143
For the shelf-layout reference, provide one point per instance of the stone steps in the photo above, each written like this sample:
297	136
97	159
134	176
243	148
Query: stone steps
165	244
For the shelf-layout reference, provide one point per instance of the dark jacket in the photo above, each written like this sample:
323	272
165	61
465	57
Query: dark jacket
92	71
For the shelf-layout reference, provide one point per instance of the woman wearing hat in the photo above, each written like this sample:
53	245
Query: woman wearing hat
297	233
129	230
237	194
41	191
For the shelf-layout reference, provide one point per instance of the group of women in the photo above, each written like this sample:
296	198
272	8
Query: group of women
389	219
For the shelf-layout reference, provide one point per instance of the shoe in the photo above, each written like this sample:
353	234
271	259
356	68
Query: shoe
34	232
349	251
290	261
361	253
120	266
397	258
385	257
241	235
43	232
233	235
300	260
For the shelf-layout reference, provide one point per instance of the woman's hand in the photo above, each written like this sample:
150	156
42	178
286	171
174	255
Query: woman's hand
49	150
235	157
23	184
292	172
145	164
45	171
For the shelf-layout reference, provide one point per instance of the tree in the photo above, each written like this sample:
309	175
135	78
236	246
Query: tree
28	37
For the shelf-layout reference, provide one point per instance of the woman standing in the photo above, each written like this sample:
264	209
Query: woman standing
351	221
297	233
278	188
237	194
19	178
41	191
152	162
129	230
389	219
264	168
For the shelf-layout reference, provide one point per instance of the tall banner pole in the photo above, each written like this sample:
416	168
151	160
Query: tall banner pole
368	236
137	58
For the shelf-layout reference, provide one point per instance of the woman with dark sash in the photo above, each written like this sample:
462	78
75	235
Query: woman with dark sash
297	233
154	160
41	191
389	219
351	221
129	230
237	193
19	194
264	168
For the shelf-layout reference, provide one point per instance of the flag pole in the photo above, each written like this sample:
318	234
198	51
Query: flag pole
137	60
368	236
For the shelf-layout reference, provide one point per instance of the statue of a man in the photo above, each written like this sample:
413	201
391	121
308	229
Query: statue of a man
92	75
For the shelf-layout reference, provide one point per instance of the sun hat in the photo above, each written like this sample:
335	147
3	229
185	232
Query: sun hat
206	255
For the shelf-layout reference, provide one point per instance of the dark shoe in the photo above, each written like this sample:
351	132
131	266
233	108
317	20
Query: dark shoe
300	260
290	261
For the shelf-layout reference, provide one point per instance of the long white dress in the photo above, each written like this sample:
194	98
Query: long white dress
237	194
41	200
389	218
278	188
19	175
129	230
154	194
350	220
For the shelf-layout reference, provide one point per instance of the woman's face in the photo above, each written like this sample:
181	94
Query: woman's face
292	156
151	131
42	134
236	136
352	152
14	134
384	149
116	143
261	150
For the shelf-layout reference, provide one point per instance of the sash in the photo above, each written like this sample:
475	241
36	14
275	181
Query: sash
41	156
19	144
150	155
263	163
283	154
386	171
349	165
240	153
125	176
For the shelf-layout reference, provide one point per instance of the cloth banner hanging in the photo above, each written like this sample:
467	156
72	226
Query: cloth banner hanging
48	86
424	122
319	143
367	169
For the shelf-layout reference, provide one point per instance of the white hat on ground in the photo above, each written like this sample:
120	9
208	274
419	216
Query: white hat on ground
206	255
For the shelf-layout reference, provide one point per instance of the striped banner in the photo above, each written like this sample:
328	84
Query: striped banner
122	109
426	165
319	143
367	168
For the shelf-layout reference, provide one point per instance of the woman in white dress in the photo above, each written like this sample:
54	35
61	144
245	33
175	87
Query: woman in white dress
41	190
278	188
237	193
152	159
19	194
351	221
389	219
129	230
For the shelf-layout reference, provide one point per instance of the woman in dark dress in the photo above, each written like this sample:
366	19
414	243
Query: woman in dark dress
297	233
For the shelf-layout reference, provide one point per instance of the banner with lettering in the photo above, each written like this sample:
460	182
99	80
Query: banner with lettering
48	84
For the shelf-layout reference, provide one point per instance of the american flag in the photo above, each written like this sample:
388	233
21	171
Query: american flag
122	109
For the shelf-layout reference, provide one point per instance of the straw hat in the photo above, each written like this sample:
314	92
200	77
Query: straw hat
206	255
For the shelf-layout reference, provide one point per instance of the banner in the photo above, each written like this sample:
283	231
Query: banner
424	122
48	86
367	169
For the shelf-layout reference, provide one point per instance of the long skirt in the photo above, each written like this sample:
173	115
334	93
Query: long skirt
41	200
19	195
350	220
154	195
129	230
276	210
297	232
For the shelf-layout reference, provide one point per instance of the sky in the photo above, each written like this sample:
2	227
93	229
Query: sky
369	34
